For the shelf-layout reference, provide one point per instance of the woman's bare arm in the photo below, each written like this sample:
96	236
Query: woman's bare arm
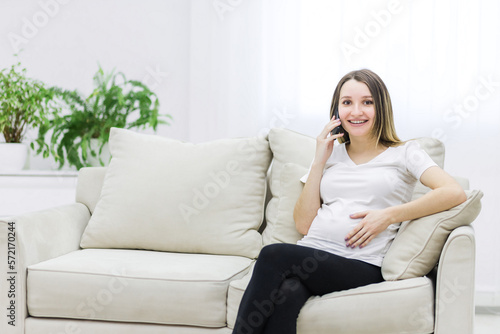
446	194
309	201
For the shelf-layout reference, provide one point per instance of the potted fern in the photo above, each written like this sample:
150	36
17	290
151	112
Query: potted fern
80	138
25	104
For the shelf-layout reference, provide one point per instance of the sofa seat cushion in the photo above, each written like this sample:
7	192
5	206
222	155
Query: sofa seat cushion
63	326
135	286
358	311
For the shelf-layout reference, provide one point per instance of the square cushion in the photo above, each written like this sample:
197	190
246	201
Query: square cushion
359	310
135	286
166	195
418	244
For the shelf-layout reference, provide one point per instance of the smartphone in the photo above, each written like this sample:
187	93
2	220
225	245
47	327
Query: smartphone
337	129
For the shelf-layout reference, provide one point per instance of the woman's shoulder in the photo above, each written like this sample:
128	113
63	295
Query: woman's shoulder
410	154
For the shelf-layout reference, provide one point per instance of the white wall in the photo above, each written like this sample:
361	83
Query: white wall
235	68
64	41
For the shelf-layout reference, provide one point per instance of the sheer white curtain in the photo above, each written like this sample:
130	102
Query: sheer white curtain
439	60
229	68
256	64
243	67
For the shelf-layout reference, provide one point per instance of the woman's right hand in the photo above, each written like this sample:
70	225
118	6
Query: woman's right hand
324	142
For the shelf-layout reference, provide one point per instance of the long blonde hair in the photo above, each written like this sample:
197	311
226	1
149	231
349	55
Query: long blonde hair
383	130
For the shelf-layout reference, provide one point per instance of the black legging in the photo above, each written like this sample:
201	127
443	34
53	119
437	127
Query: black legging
285	276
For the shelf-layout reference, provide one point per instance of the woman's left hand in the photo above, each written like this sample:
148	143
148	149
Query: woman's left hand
373	222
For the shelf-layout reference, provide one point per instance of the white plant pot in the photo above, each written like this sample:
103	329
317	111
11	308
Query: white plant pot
13	156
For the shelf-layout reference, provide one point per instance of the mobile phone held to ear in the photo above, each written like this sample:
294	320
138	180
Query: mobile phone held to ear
337	129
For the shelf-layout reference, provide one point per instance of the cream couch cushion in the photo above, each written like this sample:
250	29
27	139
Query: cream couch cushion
279	215
63	326
166	195
359	310
135	286
88	189
418	244
287	147
235	294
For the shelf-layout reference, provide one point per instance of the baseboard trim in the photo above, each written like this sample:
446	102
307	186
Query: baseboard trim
487	300
492	310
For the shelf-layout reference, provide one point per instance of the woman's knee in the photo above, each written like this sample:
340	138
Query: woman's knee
292	291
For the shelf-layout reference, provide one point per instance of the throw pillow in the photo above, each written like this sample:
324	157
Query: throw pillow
418	244
166	195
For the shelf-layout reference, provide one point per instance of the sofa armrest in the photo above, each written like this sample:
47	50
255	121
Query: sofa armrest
454	304
29	239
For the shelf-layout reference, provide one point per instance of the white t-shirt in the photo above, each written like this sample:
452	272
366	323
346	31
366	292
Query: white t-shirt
346	188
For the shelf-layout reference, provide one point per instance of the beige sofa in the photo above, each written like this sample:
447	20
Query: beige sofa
163	241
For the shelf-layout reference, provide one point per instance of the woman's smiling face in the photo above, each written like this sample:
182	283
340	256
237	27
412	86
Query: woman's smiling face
356	109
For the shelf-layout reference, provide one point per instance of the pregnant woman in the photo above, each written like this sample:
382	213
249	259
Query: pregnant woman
355	196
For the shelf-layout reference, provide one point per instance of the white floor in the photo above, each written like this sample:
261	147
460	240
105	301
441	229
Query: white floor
487	324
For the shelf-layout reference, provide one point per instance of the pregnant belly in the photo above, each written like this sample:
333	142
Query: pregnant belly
333	223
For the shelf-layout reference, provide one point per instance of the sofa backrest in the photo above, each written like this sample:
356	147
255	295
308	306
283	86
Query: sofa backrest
88	188
292	155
